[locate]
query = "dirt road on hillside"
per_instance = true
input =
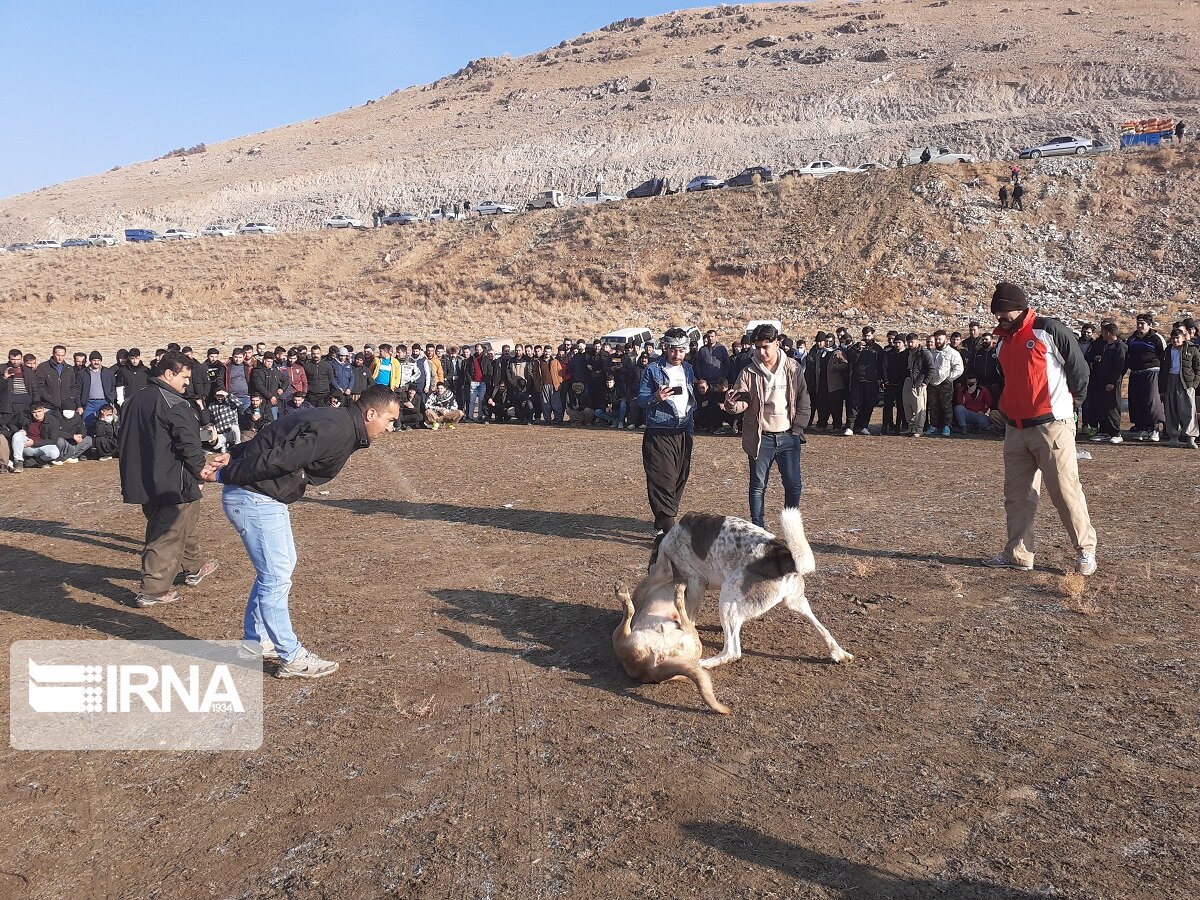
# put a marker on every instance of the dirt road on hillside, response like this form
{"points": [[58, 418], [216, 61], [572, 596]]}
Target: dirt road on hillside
{"points": [[995, 737]]}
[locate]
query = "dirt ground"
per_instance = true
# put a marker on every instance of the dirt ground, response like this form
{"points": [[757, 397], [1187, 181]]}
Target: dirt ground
{"points": [[999, 735]]}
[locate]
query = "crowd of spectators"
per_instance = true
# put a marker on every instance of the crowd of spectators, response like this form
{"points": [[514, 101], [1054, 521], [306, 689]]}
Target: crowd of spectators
{"points": [[61, 410]]}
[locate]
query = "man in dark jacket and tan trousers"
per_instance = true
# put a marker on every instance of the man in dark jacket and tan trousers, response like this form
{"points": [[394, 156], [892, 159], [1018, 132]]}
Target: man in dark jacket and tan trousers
{"points": [[1045, 380], [772, 392], [162, 463]]}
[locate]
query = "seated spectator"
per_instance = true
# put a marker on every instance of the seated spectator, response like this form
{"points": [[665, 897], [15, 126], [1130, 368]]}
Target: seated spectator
{"points": [[105, 429], [48, 437], [707, 417], [578, 411], [412, 409], [521, 398], [336, 401], [441, 408], [499, 403], [257, 416], [225, 412], [297, 402], [972, 403], [730, 423], [610, 405]]}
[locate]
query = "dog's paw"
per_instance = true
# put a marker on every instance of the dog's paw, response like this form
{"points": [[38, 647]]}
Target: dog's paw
{"points": [[841, 656]]}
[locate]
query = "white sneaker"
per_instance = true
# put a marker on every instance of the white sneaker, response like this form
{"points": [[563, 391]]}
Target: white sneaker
{"points": [[266, 650], [1085, 564], [1101, 439], [849, 432], [1116, 439], [865, 431], [306, 665], [1154, 438]]}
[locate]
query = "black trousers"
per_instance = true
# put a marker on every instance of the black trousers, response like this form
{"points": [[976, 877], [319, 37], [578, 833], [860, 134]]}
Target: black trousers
{"points": [[667, 457], [834, 405], [863, 397], [893, 408]]}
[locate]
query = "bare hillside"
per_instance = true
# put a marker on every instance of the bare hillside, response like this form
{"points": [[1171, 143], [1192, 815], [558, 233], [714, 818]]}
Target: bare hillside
{"points": [[911, 247], [704, 90]]}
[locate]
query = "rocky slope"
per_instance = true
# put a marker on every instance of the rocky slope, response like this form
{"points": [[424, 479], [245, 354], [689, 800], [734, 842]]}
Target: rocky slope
{"points": [[914, 248], [704, 90]]}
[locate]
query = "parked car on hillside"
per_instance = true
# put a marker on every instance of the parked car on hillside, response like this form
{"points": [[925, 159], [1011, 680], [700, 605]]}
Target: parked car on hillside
{"points": [[1065, 146], [141, 235], [818, 168], [257, 228], [754, 323], [592, 197], [340, 221], [445, 214], [178, 234], [19, 246], [219, 231], [401, 218], [494, 208], [704, 183], [76, 242], [627, 337], [746, 177], [870, 167], [46, 244], [936, 155], [548, 200], [102, 240], [655, 187]]}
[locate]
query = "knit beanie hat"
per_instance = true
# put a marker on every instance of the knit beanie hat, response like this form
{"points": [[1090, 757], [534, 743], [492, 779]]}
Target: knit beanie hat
{"points": [[1008, 297]]}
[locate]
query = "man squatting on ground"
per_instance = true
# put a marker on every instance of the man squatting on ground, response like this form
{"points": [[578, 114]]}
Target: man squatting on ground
{"points": [[262, 478], [1045, 378], [771, 391], [668, 395]]}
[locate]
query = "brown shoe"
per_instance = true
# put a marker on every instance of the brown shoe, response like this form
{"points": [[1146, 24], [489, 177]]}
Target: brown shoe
{"points": [[141, 601], [191, 579]]}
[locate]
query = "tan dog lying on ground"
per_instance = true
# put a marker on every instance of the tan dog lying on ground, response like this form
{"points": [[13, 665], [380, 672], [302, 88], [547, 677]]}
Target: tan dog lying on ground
{"points": [[658, 641]]}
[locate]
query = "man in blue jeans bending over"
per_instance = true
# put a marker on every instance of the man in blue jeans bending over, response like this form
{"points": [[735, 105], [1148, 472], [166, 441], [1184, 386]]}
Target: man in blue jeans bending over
{"points": [[771, 391], [261, 479]]}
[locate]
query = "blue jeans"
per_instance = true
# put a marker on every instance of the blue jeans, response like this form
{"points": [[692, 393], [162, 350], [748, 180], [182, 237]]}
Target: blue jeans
{"points": [[265, 527], [91, 411], [783, 449], [476, 408]]}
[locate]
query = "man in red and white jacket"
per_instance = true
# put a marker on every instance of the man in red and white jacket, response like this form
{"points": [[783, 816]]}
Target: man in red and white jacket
{"points": [[1045, 378]]}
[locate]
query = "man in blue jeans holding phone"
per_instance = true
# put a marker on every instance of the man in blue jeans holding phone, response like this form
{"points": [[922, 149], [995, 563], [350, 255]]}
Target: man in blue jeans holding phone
{"points": [[771, 391], [261, 478]]}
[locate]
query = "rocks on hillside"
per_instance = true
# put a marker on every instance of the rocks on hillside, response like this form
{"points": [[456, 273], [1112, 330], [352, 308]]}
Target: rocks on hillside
{"points": [[769, 40]]}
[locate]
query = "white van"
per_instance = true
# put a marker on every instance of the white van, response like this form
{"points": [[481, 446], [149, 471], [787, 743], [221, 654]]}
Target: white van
{"points": [[496, 344], [754, 323], [627, 337]]}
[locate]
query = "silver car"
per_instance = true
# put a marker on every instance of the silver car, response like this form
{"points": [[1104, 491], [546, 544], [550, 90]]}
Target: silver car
{"points": [[1061, 146]]}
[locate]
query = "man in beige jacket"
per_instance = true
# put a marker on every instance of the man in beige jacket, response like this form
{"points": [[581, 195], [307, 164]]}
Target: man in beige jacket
{"points": [[771, 391]]}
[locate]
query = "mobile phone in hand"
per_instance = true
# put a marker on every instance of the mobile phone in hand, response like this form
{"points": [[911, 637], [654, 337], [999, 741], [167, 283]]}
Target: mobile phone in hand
{"points": [[677, 390]]}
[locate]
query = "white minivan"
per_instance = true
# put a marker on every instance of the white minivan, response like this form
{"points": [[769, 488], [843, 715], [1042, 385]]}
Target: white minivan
{"points": [[623, 338]]}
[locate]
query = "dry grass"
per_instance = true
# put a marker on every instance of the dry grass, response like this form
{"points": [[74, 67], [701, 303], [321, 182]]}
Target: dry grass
{"points": [[509, 128]]}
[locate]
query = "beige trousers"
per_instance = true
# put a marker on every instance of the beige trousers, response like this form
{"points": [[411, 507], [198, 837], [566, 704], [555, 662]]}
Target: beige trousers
{"points": [[914, 405], [1044, 453], [449, 416]]}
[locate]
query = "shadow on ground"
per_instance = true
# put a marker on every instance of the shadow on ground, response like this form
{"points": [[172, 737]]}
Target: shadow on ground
{"points": [[570, 637], [853, 880]]}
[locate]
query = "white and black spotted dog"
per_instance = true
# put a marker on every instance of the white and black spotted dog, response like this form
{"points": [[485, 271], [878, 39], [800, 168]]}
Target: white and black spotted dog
{"points": [[754, 570]]}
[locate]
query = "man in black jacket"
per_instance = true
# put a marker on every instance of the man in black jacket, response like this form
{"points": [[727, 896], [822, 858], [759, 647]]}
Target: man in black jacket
{"points": [[132, 376], [269, 383], [55, 381], [162, 465], [866, 378], [895, 370], [267, 474]]}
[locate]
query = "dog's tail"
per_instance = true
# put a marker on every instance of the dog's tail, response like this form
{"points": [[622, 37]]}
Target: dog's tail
{"points": [[698, 674], [791, 529]]}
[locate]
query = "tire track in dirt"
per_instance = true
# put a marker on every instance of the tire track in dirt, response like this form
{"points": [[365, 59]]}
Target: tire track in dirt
{"points": [[501, 799]]}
